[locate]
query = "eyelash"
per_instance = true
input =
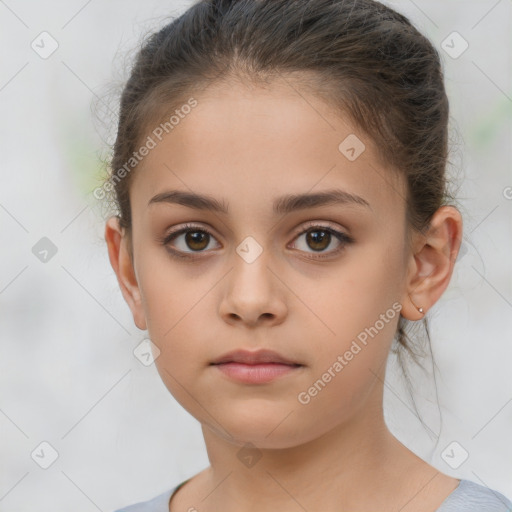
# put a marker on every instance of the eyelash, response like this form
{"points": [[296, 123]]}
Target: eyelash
{"points": [[343, 238]]}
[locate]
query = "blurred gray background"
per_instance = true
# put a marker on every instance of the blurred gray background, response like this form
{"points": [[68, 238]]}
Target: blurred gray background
{"points": [[112, 434]]}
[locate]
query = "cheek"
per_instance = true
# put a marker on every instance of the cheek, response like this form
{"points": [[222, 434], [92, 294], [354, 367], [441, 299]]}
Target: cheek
{"points": [[355, 297], [172, 302], [357, 318], [178, 326]]}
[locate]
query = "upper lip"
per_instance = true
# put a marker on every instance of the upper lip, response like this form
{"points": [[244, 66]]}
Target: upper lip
{"points": [[255, 357]]}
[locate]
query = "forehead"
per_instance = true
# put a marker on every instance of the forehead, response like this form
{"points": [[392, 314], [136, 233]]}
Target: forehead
{"points": [[257, 142]]}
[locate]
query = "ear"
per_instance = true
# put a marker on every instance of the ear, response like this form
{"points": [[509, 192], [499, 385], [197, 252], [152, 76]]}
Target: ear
{"points": [[121, 261], [431, 262]]}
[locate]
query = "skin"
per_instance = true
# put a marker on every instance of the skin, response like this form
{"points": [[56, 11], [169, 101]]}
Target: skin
{"points": [[246, 145]]}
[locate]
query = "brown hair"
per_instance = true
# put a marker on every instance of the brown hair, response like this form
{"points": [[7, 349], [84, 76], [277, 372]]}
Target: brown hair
{"points": [[360, 56]]}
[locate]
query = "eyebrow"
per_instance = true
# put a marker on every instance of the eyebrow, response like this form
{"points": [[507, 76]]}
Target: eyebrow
{"points": [[282, 205]]}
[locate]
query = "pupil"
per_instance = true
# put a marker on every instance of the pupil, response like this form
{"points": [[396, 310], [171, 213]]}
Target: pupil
{"points": [[196, 237], [317, 242]]}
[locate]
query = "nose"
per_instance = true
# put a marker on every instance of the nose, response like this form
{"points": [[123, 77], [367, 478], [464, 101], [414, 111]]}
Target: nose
{"points": [[253, 294]]}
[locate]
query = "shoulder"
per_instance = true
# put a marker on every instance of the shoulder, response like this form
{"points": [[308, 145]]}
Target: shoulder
{"points": [[472, 497], [159, 503]]}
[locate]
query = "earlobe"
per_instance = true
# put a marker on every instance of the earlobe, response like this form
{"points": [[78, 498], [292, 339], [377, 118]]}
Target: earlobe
{"points": [[431, 264], [121, 261]]}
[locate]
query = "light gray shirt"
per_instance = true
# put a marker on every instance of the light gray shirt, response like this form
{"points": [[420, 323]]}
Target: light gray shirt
{"points": [[468, 496]]}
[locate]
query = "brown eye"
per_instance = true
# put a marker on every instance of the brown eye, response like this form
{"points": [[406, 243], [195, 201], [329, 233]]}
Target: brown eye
{"points": [[320, 238], [196, 240], [188, 240]]}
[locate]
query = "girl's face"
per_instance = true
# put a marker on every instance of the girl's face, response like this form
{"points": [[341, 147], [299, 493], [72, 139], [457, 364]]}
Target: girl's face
{"points": [[256, 281]]}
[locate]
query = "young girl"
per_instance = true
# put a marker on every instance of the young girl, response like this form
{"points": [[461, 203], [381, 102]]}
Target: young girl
{"points": [[279, 173]]}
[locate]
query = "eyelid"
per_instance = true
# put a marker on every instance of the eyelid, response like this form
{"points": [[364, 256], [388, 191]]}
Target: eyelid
{"points": [[185, 256], [169, 235], [343, 238], [308, 225]]}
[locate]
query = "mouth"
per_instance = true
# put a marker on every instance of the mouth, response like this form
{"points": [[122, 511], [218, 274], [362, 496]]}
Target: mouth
{"points": [[255, 367], [260, 373]]}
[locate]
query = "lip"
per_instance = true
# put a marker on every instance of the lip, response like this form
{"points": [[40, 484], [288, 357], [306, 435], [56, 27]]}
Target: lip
{"points": [[256, 373], [257, 357]]}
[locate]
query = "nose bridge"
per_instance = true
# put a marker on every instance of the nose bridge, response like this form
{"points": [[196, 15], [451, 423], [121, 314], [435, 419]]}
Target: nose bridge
{"points": [[252, 290], [250, 275]]}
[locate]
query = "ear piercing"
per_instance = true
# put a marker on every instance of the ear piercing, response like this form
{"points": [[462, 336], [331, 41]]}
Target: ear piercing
{"points": [[419, 309]]}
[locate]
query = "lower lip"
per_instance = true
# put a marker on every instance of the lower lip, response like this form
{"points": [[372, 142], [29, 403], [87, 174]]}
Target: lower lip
{"points": [[255, 373]]}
